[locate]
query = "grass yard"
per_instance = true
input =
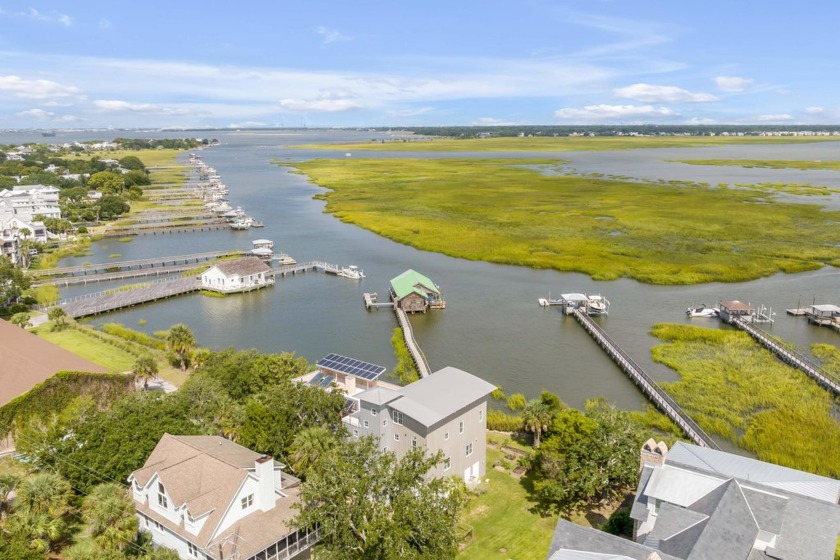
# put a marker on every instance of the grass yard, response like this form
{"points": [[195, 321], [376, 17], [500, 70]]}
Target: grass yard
{"points": [[504, 527], [563, 143], [76, 341], [736, 389], [508, 211], [770, 164]]}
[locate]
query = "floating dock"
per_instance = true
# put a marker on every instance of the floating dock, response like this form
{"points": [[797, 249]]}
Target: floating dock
{"points": [[644, 382]]}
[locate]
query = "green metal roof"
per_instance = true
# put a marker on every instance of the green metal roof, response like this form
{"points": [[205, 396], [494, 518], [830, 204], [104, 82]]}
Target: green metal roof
{"points": [[412, 281]]}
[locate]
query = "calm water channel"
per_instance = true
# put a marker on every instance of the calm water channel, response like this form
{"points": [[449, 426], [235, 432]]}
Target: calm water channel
{"points": [[492, 326]]}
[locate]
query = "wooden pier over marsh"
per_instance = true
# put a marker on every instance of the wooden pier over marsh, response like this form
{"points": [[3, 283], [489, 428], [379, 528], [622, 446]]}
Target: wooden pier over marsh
{"points": [[413, 348], [644, 382], [792, 358], [116, 266], [103, 302]]}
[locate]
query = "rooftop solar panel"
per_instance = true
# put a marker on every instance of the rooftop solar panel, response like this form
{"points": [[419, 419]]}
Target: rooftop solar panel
{"points": [[351, 366]]}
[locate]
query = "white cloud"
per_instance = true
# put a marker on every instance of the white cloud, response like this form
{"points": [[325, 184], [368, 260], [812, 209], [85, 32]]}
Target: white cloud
{"points": [[614, 112], [732, 84], [52, 16], [778, 117], [34, 89], [490, 121], [36, 113], [120, 106], [814, 110], [331, 35], [649, 93], [701, 120], [323, 105]]}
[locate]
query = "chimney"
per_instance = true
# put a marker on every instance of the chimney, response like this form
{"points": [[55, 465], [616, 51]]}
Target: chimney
{"points": [[265, 483], [653, 453]]}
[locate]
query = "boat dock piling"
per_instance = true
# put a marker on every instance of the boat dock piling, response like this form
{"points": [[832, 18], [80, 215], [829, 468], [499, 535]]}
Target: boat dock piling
{"points": [[644, 382], [371, 301], [793, 359]]}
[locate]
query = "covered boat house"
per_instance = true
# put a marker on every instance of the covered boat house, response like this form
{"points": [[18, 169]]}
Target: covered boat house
{"points": [[413, 292], [240, 275]]}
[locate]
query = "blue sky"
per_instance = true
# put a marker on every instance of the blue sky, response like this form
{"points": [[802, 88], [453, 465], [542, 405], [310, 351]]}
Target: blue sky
{"points": [[355, 63]]}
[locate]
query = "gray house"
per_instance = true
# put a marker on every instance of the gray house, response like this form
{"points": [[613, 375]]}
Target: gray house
{"points": [[697, 503], [446, 411]]}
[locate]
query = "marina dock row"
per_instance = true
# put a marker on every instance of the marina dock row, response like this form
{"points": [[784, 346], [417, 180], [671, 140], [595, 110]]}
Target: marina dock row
{"points": [[793, 359], [644, 382]]}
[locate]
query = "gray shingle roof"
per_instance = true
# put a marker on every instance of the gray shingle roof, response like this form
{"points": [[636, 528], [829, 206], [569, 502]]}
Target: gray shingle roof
{"points": [[242, 267], [569, 539]]}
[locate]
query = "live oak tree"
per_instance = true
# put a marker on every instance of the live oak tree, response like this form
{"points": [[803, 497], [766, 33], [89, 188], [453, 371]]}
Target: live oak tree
{"points": [[369, 504]]}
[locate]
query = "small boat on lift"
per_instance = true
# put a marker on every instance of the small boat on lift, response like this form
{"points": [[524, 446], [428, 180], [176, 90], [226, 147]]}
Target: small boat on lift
{"points": [[703, 311], [597, 305]]}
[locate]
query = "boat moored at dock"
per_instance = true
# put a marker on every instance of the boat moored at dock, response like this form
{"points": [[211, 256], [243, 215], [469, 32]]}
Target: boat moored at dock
{"points": [[703, 311], [352, 272]]}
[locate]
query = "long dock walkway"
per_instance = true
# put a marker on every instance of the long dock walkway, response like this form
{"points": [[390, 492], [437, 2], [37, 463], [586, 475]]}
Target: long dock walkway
{"points": [[65, 281], [413, 348], [101, 268], [297, 268], [644, 382], [793, 359], [102, 302]]}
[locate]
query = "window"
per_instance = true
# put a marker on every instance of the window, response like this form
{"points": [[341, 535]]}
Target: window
{"points": [[398, 418], [469, 449], [481, 416], [367, 424], [413, 443], [373, 412], [384, 422], [193, 550], [162, 502], [396, 437], [447, 463], [446, 436], [461, 427], [356, 432], [247, 501]]}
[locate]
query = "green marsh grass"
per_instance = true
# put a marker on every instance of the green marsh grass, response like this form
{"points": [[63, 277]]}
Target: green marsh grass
{"points": [[770, 164], [737, 390], [506, 211]]}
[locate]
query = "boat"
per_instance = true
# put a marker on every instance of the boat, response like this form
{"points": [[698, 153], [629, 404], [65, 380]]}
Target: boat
{"points": [[262, 243], [257, 223], [703, 311], [352, 272], [597, 305], [546, 302], [240, 224], [283, 258]]}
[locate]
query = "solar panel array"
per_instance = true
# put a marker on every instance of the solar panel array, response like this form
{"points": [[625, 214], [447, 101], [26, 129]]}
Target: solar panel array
{"points": [[351, 366]]}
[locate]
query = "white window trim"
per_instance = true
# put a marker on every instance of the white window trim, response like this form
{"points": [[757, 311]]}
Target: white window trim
{"points": [[446, 436], [373, 412], [469, 449], [396, 437], [447, 463], [398, 417], [461, 427]]}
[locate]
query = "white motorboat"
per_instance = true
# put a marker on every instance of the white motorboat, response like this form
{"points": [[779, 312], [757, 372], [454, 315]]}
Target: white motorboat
{"points": [[352, 272], [597, 305], [703, 311]]}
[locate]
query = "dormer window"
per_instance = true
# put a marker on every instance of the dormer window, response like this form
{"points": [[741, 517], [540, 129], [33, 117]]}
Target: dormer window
{"points": [[162, 501], [373, 412], [247, 501]]}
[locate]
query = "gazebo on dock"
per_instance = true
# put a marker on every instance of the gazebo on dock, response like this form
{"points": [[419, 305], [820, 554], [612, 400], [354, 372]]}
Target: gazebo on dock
{"points": [[730, 310], [412, 292]]}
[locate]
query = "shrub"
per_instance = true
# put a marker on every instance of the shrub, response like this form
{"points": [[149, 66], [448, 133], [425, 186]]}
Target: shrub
{"points": [[502, 422]]}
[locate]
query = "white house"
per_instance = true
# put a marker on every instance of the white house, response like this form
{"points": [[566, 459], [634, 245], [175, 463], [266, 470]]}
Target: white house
{"points": [[240, 275], [211, 499], [27, 201]]}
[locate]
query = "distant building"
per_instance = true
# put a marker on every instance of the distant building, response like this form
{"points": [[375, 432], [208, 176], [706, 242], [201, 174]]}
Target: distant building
{"points": [[27, 201], [240, 275], [412, 292], [446, 412], [209, 498], [696, 503]]}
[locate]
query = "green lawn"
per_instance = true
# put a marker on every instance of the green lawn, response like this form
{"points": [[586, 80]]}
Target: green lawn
{"points": [[562, 143], [77, 342], [503, 526], [506, 211]]}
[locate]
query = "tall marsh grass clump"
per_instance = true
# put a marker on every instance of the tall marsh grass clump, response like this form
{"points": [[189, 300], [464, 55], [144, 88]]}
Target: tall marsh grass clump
{"points": [[736, 389], [509, 211]]}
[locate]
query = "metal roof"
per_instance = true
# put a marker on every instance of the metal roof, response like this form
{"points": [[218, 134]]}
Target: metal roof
{"points": [[826, 307], [753, 470], [736, 305], [351, 366], [412, 281]]}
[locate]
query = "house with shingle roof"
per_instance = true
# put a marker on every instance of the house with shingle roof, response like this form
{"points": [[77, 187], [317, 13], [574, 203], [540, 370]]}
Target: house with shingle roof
{"points": [[240, 275], [699, 503], [209, 498]]}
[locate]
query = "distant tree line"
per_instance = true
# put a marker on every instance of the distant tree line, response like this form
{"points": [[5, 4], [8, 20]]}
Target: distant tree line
{"points": [[609, 130]]}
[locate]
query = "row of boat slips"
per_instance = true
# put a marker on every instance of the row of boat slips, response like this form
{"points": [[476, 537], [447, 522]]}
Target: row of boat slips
{"points": [[214, 193]]}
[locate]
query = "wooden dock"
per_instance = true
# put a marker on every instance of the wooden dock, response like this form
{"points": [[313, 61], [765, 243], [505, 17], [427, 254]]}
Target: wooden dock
{"points": [[65, 281], [168, 230], [103, 302], [413, 348], [372, 301], [116, 266], [644, 382], [792, 358], [300, 268]]}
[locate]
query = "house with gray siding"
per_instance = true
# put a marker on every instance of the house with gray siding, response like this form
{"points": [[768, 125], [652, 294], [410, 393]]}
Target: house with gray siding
{"points": [[446, 412]]}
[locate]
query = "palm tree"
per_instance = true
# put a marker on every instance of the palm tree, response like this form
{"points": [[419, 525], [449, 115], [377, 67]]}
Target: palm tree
{"points": [[44, 493], [536, 416], [181, 340], [58, 316], [144, 368], [40, 529], [310, 446], [21, 319], [110, 516]]}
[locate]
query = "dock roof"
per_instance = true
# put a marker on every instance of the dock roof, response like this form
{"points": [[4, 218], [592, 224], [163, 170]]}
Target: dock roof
{"points": [[412, 281], [241, 267], [736, 305]]}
